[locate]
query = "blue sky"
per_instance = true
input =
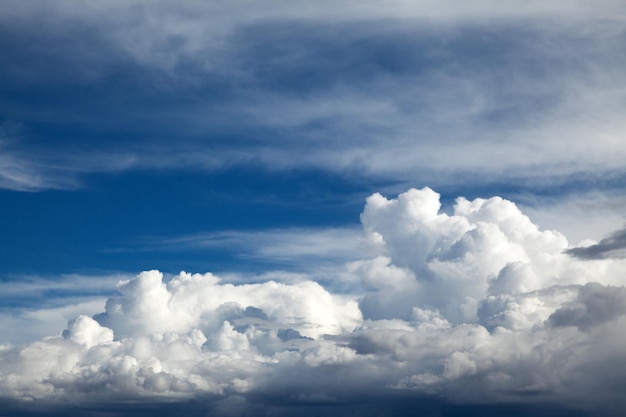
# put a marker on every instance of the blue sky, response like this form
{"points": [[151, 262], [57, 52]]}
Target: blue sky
{"points": [[249, 140]]}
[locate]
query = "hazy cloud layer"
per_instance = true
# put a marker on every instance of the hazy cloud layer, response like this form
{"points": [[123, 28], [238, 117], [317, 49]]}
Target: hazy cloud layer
{"points": [[428, 91], [475, 306]]}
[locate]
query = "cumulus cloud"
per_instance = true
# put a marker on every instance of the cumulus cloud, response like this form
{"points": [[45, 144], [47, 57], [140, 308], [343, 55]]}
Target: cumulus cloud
{"points": [[469, 305], [149, 305]]}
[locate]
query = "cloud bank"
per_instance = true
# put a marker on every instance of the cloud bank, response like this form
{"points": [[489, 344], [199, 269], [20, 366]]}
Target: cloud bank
{"points": [[421, 90], [465, 307]]}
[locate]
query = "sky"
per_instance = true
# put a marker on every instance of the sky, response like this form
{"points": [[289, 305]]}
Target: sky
{"points": [[271, 208]]}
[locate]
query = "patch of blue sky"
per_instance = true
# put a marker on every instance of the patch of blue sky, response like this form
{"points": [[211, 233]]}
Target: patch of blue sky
{"points": [[286, 121], [54, 231]]}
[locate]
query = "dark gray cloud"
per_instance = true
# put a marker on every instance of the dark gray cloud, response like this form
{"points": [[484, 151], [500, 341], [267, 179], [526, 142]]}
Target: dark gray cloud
{"points": [[612, 246], [594, 305], [399, 406]]}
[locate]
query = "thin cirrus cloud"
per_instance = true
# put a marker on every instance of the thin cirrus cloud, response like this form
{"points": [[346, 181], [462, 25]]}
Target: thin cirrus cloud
{"points": [[443, 95], [289, 246], [475, 308]]}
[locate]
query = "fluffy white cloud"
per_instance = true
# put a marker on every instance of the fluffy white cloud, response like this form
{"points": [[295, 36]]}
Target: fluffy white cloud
{"points": [[486, 247], [189, 301], [477, 305]]}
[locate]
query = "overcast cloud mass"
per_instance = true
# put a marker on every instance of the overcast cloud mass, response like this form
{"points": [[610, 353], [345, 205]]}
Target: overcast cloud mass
{"points": [[383, 208]]}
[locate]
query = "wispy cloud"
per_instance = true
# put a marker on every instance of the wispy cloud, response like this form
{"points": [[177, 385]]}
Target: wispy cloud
{"points": [[284, 255], [291, 245], [416, 91], [22, 173], [40, 288]]}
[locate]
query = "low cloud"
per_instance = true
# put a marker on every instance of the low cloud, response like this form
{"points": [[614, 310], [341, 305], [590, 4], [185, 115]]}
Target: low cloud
{"points": [[594, 305], [473, 308], [612, 246]]}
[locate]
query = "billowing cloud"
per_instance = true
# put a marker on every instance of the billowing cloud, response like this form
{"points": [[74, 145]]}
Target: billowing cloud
{"points": [[187, 300], [456, 308]]}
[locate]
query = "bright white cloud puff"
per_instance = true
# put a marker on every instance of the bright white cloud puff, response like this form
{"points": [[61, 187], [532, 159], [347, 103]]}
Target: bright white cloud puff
{"points": [[476, 305]]}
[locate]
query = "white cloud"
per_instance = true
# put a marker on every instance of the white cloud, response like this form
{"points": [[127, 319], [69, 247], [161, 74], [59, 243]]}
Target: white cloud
{"points": [[295, 245], [478, 306], [26, 324], [19, 172], [33, 306], [37, 287], [190, 301]]}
